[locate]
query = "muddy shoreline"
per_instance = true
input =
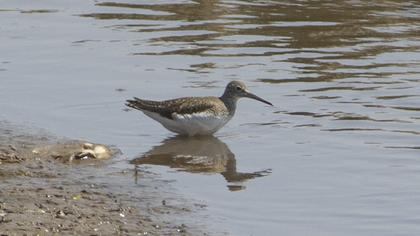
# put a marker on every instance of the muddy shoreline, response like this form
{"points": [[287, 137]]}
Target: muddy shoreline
{"points": [[40, 195]]}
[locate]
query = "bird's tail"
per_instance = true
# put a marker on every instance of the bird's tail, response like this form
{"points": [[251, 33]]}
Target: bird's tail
{"points": [[134, 103], [141, 104]]}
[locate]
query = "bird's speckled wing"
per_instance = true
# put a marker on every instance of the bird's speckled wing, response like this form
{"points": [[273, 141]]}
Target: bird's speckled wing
{"points": [[179, 106]]}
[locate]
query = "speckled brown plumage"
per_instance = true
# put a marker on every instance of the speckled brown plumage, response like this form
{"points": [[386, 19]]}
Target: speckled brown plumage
{"points": [[181, 106]]}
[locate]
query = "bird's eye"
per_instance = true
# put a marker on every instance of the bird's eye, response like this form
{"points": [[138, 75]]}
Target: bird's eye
{"points": [[238, 88]]}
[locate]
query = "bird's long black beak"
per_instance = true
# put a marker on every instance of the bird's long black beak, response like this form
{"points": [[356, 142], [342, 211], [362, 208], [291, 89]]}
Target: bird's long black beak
{"points": [[253, 96]]}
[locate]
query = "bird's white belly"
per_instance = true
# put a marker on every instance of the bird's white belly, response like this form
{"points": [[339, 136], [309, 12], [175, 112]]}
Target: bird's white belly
{"points": [[192, 124]]}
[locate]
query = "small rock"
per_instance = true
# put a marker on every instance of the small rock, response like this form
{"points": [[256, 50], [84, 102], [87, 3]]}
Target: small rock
{"points": [[60, 214]]}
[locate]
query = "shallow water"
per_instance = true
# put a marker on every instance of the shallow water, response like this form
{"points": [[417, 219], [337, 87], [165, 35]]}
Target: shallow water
{"points": [[337, 154]]}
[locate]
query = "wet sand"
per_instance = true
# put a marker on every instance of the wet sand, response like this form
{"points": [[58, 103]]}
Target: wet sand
{"points": [[40, 195]]}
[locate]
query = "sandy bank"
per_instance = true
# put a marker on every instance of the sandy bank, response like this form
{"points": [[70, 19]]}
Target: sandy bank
{"points": [[40, 195]]}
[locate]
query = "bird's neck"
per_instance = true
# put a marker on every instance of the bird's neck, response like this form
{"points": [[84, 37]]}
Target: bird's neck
{"points": [[230, 102]]}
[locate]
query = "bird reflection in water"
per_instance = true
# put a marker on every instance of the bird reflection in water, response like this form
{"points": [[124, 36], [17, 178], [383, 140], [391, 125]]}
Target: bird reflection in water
{"points": [[205, 154]]}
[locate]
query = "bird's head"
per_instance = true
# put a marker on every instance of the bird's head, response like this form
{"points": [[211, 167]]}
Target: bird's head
{"points": [[237, 89]]}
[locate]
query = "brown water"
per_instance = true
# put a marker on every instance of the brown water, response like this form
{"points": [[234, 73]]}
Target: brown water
{"points": [[337, 155]]}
